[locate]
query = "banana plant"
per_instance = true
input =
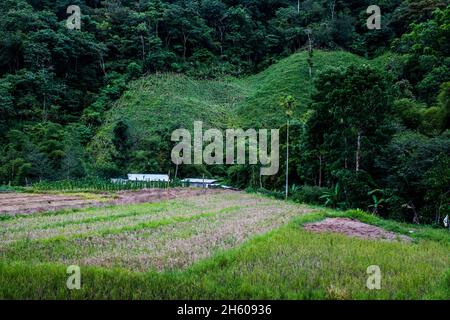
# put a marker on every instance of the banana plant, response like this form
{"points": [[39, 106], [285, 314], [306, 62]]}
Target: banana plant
{"points": [[332, 197], [294, 188], [377, 202]]}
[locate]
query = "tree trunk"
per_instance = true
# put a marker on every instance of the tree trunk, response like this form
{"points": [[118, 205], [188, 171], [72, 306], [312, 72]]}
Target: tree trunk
{"points": [[44, 110], [332, 8], [320, 171], [185, 38], [345, 154], [176, 171], [416, 216], [221, 41], [358, 151], [310, 62], [260, 180], [102, 65], [310, 43], [287, 160], [143, 48]]}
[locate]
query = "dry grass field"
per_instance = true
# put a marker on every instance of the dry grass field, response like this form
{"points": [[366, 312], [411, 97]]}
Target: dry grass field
{"points": [[190, 244]]}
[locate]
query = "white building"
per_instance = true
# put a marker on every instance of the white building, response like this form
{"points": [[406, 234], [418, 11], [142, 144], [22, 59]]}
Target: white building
{"points": [[148, 177], [199, 183]]}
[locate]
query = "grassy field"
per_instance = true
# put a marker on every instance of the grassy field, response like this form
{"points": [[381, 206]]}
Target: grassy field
{"points": [[215, 247]]}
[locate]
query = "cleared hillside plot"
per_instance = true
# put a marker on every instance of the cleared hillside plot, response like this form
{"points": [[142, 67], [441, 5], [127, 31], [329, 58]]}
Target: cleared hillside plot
{"points": [[142, 237], [156, 105]]}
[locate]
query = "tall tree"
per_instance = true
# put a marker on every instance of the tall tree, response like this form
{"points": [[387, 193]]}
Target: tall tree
{"points": [[288, 104], [351, 105]]}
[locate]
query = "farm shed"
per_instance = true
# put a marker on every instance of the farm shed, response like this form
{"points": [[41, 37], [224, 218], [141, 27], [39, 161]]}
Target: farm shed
{"points": [[199, 183], [148, 177]]}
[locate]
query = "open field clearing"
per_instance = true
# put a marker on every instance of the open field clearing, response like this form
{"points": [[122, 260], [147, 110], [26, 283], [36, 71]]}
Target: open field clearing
{"points": [[146, 236], [25, 203], [223, 245]]}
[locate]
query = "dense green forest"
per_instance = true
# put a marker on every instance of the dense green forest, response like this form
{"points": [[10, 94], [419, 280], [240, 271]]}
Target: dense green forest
{"points": [[372, 107]]}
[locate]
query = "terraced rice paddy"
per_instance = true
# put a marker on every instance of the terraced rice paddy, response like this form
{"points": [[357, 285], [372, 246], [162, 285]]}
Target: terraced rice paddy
{"points": [[200, 244], [26, 203], [140, 237]]}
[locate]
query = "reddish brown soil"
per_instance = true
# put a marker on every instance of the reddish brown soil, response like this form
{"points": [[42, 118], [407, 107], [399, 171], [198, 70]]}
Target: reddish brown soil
{"points": [[26, 203], [156, 195], [354, 228]]}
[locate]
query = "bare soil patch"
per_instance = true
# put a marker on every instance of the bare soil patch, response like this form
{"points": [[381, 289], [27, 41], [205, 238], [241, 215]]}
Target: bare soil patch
{"points": [[156, 195], [354, 228], [28, 203]]}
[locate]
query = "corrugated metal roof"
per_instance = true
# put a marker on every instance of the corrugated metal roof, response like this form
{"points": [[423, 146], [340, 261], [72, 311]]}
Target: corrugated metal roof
{"points": [[148, 177], [197, 180]]}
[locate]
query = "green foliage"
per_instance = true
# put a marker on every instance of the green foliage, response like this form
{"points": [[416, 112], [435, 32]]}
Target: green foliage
{"points": [[444, 103], [437, 184], [430, 121], [309, 194], [98, 184], [428, 45], [356, 186], [409, 113], [331, 198], [350, 107], [406, 163], [377, 200], [122, 145]]}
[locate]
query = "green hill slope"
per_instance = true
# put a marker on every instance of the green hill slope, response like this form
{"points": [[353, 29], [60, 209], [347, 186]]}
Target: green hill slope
{"points": [[156, 105], [289, 76]]}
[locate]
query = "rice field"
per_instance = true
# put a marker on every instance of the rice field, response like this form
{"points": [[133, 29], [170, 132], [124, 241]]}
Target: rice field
{"points": [[218, 245], [143, 237]]}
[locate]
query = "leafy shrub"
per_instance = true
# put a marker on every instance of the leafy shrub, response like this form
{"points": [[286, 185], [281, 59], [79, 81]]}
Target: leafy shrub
{"points": [[309, 194], [333, 198], [98, 184], [355, 187], [5, 188], [274, 194]]}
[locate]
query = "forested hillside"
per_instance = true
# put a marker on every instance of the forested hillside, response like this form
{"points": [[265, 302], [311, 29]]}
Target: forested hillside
{"points": [[371, 107]]}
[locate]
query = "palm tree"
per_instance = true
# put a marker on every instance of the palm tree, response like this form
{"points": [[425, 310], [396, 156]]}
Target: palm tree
{"points": [[288, 104]]}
